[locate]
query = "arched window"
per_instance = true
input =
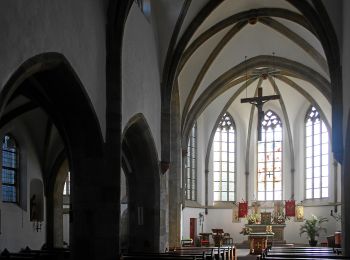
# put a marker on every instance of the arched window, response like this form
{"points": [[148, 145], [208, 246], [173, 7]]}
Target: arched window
{"points": [[270, 158], [224, 165], [9, 169], [66, 187], [316, 156], [191, 165]]}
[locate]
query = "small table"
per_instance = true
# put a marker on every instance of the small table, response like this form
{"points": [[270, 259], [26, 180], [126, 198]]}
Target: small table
{"points": [[258, 242]]}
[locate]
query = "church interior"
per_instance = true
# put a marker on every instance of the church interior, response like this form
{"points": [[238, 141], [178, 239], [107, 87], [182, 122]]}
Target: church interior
{"points": [[145, 125]]}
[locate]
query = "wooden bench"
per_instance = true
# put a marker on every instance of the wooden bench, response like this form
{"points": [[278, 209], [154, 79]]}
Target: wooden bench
{"points": [[165, 256], [224, 252], [36, 254], [301, 253]]}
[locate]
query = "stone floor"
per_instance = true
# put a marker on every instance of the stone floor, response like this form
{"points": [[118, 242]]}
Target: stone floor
{"points": [[243, 254]]}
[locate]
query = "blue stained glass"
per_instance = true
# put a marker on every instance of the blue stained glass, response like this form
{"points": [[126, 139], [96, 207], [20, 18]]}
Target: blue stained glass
{"points": [[9, 169]]}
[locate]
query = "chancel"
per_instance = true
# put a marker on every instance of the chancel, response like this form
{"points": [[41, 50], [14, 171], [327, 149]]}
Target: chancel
{"points": [[132, 128]]}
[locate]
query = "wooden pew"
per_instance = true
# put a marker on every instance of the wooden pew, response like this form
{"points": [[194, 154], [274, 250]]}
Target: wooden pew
{"points": [[144, 257], [27, 253], [158, 256], [301, 253], [224, 252]]}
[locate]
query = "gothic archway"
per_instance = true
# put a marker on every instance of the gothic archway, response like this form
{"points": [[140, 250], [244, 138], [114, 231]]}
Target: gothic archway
{"points": [[140, 163], [49, 82]]}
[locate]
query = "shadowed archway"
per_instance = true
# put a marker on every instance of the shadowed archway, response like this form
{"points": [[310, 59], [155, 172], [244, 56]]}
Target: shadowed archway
{"points": [[140, 164], [49, 81]]}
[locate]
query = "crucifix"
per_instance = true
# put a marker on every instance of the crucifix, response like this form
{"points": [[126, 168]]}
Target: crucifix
{"points": [[259, 102]]}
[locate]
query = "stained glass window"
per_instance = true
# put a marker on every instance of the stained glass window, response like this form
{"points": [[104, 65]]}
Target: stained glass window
{"points": [[191, 165], [270, 158], [316, 156], [224, 159], [9, 169]]}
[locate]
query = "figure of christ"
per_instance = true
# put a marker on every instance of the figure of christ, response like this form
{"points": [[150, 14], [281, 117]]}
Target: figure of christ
{"points": [[259, 101]]}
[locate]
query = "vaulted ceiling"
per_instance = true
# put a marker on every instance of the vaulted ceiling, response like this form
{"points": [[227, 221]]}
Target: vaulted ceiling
{"points": [[238, 46]]}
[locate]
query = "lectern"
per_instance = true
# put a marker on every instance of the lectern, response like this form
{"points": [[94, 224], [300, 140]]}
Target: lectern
{"points": [[218, 235]]}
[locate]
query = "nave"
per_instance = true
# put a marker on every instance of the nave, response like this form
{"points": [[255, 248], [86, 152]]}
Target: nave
{"points": [[135, 126]]}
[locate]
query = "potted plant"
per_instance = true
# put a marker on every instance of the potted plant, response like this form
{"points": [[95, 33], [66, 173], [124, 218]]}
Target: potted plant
{"points": [[312, 227]]}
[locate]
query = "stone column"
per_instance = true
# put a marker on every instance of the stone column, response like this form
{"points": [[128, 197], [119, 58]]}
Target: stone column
{"points": [[292, 191], [175, 174], [95, 207], [206, 179], [246, 185]]}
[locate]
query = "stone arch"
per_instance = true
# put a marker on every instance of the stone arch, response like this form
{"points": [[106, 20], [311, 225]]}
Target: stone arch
{"points": [[225, 81], [140, 164], [57, 200], [49, 80]]}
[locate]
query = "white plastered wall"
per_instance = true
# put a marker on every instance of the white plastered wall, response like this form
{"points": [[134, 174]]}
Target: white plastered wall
{"points": [[16, 229], [140, 76]]}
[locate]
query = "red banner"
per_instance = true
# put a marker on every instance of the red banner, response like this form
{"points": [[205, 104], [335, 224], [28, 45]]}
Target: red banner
{"points": [[290, 208], [242, 209]]}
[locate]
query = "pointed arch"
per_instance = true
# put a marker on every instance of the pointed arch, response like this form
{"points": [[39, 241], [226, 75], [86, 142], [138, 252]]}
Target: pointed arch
{"points": [[47, 79], [140, 164], [316, 156], [10, 169], [224, 159], [269, 162], [191, 165]]}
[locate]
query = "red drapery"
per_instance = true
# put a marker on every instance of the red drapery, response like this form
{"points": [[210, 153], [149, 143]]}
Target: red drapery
{"points": [[242, 209], [290, 208]]}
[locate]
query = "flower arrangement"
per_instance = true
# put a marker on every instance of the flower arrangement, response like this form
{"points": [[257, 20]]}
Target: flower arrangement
{"points": [[279, 217], [253, 218], [246, 231]]}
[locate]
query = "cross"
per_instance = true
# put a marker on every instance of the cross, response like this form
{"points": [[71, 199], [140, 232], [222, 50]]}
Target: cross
{"points": [[258, 245], [259, 102], [269, 174]]}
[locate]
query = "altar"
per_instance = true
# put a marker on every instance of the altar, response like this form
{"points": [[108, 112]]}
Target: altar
{"points": [[258, 242], [277, 229]]}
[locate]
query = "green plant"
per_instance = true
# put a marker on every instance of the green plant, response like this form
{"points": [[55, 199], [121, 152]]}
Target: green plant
{"points": [[312, 227], [253, 218], [246, 231]]}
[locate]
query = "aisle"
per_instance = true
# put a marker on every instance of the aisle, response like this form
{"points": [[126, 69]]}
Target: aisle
{"points": [[243, 254]]}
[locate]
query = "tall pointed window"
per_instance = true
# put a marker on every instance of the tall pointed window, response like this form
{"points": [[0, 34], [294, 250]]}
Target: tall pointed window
{"points": [[316, 159], [9, 169], [66, 187], [224, 165], [270, 158], [191, 165]]}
